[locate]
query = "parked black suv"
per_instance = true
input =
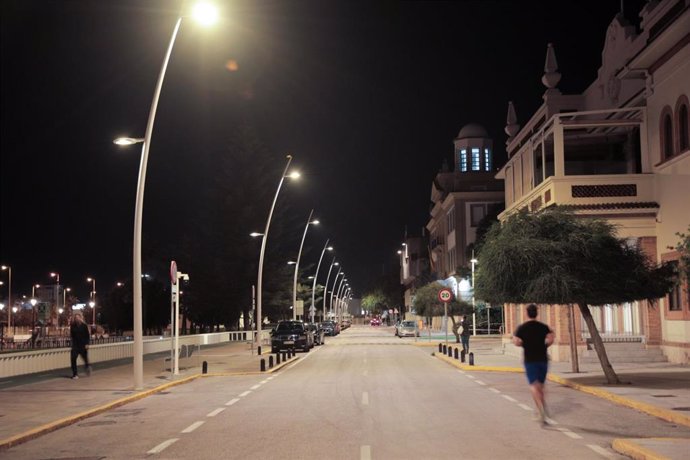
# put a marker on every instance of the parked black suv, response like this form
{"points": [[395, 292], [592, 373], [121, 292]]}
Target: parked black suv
{"points": [[291, 335]]}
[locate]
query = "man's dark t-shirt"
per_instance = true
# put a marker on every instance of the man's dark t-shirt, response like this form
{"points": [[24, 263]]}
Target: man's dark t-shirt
{"points": [[80, 335], [533, 336]]}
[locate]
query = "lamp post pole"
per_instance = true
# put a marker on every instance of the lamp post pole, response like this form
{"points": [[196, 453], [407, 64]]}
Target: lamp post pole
{"points": [[33, 308], [57, 289], [335, 280], [9, 295], [338, 297], [299, 255], [93, 298], [312, 310], [474, 315], [259, 280], [325, 286]]}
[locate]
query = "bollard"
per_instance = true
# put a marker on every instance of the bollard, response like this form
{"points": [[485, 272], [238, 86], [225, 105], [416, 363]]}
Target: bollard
{"points": [[462, 356], [471, 359], [262, 367], [284, 356], [270, 361], [277, 358], [440, 347], [450, 352], [258, 350], [456, 353], [444, 349], [204, 367]]}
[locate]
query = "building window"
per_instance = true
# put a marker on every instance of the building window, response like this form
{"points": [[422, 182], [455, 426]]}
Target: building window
{"points": [[683, 126], [475, 160], [463, 160], [450, 220], [666, 134], [477, 213], [487, 160]]}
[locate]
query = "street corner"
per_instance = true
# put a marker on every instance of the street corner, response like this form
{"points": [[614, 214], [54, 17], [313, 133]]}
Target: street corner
{"points": [[653, 448]]}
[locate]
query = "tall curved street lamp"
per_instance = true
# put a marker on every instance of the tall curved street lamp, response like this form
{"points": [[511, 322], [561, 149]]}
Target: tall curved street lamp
{"points": [[9, 295], [264, 237], [312, 310], [205, 14], [341, 286], [92, 297], [325, 287], [335, 281], [299, 255]]}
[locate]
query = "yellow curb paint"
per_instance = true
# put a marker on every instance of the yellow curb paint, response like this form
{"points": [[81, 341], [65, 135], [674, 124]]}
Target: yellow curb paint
{"points": [[634, 450], [467, 367], [48, 427]]}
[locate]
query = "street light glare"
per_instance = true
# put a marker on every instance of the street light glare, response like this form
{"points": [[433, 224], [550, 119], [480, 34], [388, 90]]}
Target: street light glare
{"points": [[255, 234], [330, 248], [294, 175], [127, 140], [205, 13], [315, 222]]}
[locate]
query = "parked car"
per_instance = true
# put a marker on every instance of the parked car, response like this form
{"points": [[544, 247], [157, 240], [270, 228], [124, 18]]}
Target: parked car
{"points": [[375, 322], [319, 333], [329, 328], [291, 334], [407, 329]]}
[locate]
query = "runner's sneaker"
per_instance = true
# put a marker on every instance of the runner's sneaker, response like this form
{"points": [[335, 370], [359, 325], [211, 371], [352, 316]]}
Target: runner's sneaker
{"points": [[75, 377]]}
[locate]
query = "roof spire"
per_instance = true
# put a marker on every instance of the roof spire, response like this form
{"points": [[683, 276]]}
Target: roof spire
{"points": [[512, 126], [551, 76]]}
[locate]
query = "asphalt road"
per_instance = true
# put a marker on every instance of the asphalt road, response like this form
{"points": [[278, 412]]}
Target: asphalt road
{"points": [[364, 395]]}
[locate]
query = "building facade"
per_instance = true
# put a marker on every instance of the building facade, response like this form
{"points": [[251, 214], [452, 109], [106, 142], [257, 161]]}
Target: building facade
{"points": [[620, 151]]}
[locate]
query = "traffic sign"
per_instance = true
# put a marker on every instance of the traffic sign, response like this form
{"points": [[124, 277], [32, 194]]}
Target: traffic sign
{"points": [[445, 295], [173, 272]]}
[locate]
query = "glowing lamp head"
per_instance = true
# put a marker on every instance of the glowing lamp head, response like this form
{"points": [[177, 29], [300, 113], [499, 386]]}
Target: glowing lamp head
{"points": [[205, 13]]}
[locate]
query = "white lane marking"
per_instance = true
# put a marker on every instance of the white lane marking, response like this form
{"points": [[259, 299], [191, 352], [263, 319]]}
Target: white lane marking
{"points": [[365, 398], [551, 421], [480, 382], [509, 398], [242, 395], [192, 427], [365, 453], [232, 401], [525, 406], [272, 377], [470, 376], [600, 450], [461, 371], [255, 387], [263, 381], [569, 433], [159, 448], [215, 412], [495, 390]]}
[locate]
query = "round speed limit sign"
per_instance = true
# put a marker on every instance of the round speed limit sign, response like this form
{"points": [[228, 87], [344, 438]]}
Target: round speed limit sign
{"points": [[444, 295]]}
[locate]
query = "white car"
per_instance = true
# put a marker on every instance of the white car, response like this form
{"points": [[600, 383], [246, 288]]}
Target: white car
{"points": [[407, 329]]}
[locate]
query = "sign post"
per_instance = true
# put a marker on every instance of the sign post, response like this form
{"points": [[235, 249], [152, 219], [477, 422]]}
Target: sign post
{"points": [[445, 296], [173, 303]]}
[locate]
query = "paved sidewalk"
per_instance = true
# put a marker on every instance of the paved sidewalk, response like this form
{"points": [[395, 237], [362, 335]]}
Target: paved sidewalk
{"points": [[35, 404], [658, 389]]}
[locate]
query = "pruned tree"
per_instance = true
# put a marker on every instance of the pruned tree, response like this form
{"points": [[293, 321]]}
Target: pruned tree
{"points": [[426, 304], [555, 257]]}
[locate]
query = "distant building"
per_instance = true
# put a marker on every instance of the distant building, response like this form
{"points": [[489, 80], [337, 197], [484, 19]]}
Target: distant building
{"points": [[414, 265], [618, 151]]}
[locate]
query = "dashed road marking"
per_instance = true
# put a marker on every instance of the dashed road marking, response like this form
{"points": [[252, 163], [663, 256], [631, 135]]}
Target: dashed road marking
{"points": [[480, 382], [192, 427], [365, 398], [365, 453], [263, 382], [215, 412], [242, 395], [470, 376], [232, 401], [255, 387], [159, 448], [525, 406], [569, 433], [495, 390], [600, 450], [509, 398]]}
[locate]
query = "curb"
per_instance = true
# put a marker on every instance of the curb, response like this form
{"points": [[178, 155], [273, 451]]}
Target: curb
{"points": [[646, 408], [636, 451]]}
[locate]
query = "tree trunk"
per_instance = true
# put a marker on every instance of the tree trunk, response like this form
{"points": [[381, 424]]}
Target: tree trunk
{"points": [[574, 364], [455, 329], [610, 374]]}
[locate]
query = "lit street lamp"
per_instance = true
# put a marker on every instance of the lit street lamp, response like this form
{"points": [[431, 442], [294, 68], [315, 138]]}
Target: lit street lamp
{"points": [[264, 235], [204, 14], [9, 294], [64, 303], [93, 298], [474, 315], [335, 281], [299, 255], [312, 310], [325, 286], [57, 290]]}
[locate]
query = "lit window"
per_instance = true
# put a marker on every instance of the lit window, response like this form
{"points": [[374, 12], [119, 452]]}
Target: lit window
{"points": [[475, 160], [487, 160], [463, 160]]}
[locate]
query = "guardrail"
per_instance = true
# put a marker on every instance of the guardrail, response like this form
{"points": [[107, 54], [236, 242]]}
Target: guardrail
{"points": [[33, 361]]}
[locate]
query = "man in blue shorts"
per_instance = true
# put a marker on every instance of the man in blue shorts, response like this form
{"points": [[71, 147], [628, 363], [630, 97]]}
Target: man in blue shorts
{"points": [[535, 337]]}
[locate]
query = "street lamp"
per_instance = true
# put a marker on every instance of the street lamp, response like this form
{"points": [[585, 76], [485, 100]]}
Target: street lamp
{"points": [[264, 235], [64, 303], [473, 261], [335, 281], [325, 286], [57, 290], [93, 297], [299, 255], [203, 15], [341, 286], [312, 310], [9, 294]]}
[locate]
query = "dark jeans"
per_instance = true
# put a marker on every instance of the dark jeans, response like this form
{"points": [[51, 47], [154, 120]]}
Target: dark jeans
{"points": [[465, 342], [73, 358]]}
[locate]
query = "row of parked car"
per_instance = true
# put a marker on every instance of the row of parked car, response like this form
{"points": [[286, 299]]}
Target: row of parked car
{"points": [[298, 335]]}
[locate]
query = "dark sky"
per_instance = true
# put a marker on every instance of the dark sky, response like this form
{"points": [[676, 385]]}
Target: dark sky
{"points": [[366, 95]]}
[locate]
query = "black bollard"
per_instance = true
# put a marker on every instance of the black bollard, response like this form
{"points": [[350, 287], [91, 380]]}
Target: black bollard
{"points": [[471, 359], [456, 353], [270, 361], [444, 348], [462, 356], [450, 352], [284, 356], [204, 367], [262, 367], [277, 358], [258, 350], [440, 347]]}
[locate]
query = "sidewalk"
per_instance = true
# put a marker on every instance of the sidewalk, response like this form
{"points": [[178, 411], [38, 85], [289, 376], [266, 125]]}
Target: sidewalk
{"points": [[37, 404], [658, 389]]}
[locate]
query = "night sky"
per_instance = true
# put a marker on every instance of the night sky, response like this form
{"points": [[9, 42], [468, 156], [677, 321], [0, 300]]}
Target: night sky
{"points": [[366, 95]]}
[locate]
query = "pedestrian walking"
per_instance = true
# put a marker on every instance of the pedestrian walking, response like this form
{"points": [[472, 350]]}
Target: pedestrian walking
{"points": [[535, 337], [81, 337], [465, 334]]}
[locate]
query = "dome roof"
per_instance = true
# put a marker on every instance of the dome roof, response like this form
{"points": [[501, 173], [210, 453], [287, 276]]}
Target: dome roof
{"points": [[472, 130]]}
